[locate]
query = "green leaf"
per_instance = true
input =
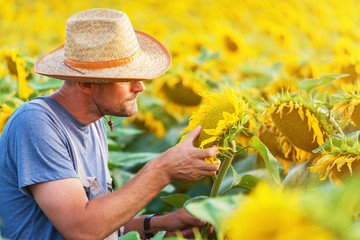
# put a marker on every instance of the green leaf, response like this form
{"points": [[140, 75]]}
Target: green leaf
{"points": [[247, 182], [120, 177], [245, 164], [121, 159], [120, 132], [195, 199], [115, 146], [270, 161], [253, 83], [310, 84], [131, 236], [213, 210], [11, 101], [332, 206], [300, 177], [51, 83], [176, 200], [159, 236], [168, 189], [205, 55], [175, 238]]}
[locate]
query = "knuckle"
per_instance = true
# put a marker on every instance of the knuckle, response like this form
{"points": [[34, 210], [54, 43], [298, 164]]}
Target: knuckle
{"points": [[207, 154]]}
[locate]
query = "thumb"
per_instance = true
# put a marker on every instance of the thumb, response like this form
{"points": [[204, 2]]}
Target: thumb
{"points": [[194, 133]]}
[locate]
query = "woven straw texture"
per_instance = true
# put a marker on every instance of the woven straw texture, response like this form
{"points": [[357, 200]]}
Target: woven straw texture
{"points": [[99, 35]]}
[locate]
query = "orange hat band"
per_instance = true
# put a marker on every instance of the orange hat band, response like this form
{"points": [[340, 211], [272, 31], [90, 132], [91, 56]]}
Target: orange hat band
{"points": [[101, 64]]}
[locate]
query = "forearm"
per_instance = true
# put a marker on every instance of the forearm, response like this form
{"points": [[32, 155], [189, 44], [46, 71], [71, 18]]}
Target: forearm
{"points": [[77, 218], [175, 163], [116, 209]]}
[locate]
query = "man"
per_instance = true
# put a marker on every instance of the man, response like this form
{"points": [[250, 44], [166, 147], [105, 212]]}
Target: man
{"points": [[53, 152]]}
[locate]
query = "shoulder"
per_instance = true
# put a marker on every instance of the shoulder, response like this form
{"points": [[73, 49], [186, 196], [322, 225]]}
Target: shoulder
{"points": [[32, 119]]}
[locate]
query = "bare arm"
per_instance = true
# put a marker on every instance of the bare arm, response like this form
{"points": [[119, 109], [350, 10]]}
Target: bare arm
{"points": [[66, 205]]}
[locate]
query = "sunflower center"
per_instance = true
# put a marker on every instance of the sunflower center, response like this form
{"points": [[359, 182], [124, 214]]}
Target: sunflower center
{"points": [[11, 66], [355, 116], [345, 171], [210, 121], [181, 94], [294, 128], [269, 136], [230, 44]]}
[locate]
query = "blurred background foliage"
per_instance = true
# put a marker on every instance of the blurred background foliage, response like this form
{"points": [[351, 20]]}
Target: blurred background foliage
{"points": [[266, 47]]}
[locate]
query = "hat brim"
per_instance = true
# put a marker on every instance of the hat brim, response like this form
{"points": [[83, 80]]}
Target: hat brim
{"points": [[153, 61]]}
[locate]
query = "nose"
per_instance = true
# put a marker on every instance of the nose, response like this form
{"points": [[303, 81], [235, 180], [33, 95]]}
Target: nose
{"points": [[137, 86]]}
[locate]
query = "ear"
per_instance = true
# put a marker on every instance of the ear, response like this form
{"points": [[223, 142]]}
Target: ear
{"points": [[85, 87]]}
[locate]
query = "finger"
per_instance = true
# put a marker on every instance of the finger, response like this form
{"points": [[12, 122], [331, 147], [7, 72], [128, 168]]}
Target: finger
{"points": [[211, 151], [193, 221], [187, 233], [218, 161], [207, 173], [193, 134], [208, 167], [170, 234], [202, 164], [206, 153]]}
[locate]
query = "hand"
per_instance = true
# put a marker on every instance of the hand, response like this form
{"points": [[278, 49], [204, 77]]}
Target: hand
{"points": [[179, 220], [186, 162]]}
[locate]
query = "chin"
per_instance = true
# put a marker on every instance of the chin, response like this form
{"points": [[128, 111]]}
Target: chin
{"points": [[127, 112]]}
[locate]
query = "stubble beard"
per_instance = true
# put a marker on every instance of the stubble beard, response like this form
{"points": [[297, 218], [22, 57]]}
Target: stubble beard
{"points": [[122, 112]]}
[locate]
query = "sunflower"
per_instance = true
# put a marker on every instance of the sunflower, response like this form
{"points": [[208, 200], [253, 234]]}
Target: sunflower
{"points": [[180, 90], [339, 156], [276, 143], [346, 59], [5, 113], [222, 117], [184, 44], [298, 122], [232, 43], [278, 86], [348, 109], [280, 147], [269, 215], [16, 67], [148, 122]]}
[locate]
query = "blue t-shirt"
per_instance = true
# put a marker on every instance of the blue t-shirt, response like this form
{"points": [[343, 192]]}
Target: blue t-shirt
{"points": [[35, 148]]}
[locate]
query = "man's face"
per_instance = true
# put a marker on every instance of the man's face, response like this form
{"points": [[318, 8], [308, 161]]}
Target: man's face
{"points": [[119, 98]]}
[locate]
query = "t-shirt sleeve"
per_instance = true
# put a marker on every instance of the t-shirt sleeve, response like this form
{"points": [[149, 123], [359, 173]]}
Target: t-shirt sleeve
{"points": [[41, 150]]}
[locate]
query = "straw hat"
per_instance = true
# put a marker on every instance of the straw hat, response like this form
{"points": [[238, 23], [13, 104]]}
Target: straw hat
{"points": [[102, 46]]}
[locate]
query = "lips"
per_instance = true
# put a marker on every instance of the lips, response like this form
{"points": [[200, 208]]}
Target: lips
{"points": [[133, 98]]}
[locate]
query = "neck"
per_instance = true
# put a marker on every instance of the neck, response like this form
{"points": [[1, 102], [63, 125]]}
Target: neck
{"points": [[80, 105]]}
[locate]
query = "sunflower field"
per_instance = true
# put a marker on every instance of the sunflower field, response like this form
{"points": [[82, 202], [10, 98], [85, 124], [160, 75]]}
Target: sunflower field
{"points": [[274, 84]]}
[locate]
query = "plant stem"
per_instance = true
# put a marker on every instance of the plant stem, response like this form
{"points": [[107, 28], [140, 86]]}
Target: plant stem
{"points": [[216, 186], [337, 126], [221, 174]]}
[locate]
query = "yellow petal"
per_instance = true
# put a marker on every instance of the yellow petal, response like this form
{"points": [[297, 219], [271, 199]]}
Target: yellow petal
{"points": [[209, 140]]}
